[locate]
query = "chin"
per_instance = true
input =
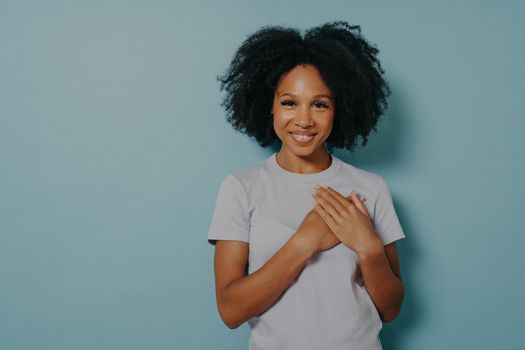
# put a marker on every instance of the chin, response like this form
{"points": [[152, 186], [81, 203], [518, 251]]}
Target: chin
{"points": [[303, 151]]}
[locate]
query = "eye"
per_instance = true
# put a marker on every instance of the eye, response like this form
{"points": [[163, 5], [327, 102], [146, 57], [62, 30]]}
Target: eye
{"points": [[287, 103], [321, 105]]}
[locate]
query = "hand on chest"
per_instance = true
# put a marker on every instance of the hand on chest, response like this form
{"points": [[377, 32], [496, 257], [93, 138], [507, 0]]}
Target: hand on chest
{"points": [[278, 214]]}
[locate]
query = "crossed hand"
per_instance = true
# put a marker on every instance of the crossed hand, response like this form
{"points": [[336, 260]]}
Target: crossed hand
{"points": [[347, 217]]}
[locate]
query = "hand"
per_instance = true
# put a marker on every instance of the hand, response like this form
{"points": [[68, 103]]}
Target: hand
{"points": [[348, 219], [314, 230]]}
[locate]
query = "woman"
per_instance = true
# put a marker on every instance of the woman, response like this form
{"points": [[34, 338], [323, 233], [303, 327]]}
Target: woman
{"points": [[307, 267]]}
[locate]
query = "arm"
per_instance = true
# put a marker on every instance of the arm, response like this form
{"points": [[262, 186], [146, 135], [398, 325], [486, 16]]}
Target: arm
{"points": [[241, 296], [382, 279], [350, 222]]}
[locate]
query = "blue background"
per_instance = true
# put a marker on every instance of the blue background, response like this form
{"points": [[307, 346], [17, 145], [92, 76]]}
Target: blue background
{"points": [[113, 145]]}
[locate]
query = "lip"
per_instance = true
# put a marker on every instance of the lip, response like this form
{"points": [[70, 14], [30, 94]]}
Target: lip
{"points": [[309, 133], [303, 143]]}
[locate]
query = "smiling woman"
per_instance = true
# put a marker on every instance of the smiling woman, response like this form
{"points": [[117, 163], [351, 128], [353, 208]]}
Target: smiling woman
{"points": [[303, 117], [305, 243]]}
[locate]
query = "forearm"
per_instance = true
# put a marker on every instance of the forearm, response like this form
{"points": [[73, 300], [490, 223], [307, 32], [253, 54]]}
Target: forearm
{"points": [[253, 294], [383, 286]]}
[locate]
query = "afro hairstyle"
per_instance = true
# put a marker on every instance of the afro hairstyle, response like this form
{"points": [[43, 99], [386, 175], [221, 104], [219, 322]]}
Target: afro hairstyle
{"points": [[347, 63]]}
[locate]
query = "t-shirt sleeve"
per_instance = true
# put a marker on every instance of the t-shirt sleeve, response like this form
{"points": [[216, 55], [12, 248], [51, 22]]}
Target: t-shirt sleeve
{"points": [[230, 219], [386, 222]]}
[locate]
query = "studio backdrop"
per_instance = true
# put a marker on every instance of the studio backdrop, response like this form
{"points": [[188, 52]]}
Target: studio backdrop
{"points": [[113, 145]]}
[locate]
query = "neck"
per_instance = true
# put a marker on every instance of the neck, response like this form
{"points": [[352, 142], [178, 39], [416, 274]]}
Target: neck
{"points": [[304, 164]]}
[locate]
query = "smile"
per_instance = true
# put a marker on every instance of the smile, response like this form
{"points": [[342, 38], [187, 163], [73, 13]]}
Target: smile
{"points": [[302, 139]]}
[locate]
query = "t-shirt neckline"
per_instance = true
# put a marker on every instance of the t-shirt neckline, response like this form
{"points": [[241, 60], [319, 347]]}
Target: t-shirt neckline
{"points": [[304, 178]]}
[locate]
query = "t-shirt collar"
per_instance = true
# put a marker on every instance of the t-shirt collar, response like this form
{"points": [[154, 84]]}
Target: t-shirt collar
{"points": [[304, 178]]}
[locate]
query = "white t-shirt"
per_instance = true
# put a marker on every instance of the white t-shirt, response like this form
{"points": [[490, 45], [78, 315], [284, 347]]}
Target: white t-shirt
{"points": [[327, 307]]}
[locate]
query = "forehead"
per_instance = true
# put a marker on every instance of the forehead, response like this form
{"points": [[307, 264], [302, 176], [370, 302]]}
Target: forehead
{"points": [[302, 80]]}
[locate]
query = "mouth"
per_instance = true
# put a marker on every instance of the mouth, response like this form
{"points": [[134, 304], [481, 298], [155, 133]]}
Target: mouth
{"points": [[302, 138]]}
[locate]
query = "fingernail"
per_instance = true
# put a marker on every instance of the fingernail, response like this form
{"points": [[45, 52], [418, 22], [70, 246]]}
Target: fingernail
{"points": [[317, 187]]}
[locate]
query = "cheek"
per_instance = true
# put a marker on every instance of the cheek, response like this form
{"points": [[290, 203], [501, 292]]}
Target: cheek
{"points": [[330, 126], [286, 113], [278, 127], [330, 122], [325, 121], [327, 126], [280, 121]]}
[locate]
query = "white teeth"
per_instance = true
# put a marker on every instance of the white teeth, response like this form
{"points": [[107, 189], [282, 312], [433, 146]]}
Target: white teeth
{"points": [[302, 137]]}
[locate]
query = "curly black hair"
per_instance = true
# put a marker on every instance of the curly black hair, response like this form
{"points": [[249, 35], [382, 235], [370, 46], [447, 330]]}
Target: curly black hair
{"points": [[346, 61]]}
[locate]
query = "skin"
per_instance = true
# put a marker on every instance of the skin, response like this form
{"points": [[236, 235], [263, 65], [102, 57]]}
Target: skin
{"points": [[302, 101], [296, 107], [334, 220]]}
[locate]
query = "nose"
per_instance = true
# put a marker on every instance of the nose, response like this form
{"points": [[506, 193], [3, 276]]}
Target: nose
{"points": [[303, 117]]}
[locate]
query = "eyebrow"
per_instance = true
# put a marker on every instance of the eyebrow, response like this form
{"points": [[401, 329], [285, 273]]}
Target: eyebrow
{"points": [[320, 95]]}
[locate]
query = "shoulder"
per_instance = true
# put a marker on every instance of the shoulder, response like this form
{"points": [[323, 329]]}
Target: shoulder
{"points": [[253, 174], [363, 178], [248, 178]]}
